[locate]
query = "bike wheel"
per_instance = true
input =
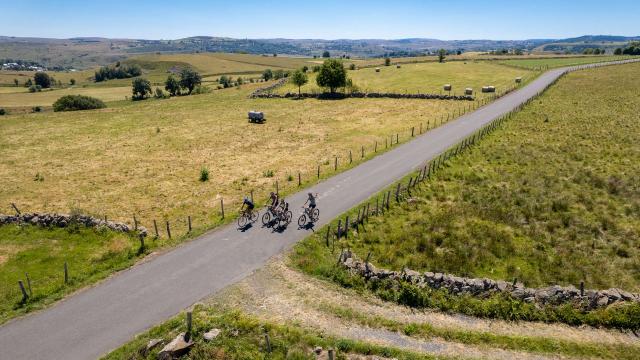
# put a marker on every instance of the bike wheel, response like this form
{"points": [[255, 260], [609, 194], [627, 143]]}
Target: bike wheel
{"points": [[315, 215], [288, 216], [302, 220], [254, 216], [266, 218], [242, 221]]}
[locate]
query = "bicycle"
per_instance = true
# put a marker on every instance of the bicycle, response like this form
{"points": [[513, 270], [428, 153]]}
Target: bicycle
{"points": [[312, 214], [267, 216], [284, 218], [247, 217]]}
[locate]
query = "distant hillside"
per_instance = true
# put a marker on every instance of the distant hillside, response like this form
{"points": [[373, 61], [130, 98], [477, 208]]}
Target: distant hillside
{"points": [[84, 52]]}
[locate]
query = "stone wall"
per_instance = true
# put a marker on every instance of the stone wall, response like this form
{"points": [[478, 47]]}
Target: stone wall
{"points": [[64, 220], [552, 295], [261, 92], [360, 95]]}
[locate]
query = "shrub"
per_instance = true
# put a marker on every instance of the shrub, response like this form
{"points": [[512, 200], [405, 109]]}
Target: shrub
{"points": [[140, 88], [225, 81], [387, 61], [77, 102], [159, 94], [267, 74], [42, 79], [204, 174], [442, 54], [172, 85], [36, 109], [201, 90], [316, 68], [326, 54], [352, 67], [72, 82], [268, 173], [305, 68], [3, 112]]}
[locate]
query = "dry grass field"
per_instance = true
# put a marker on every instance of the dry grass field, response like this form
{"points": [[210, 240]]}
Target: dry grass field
{"points": [[428, 77], [48, 97], [145, 158]]}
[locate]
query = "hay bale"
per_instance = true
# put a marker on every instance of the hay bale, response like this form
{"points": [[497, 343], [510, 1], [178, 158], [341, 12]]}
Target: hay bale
{"points": [[488, 89], [377, 69], [447, 87], [256, 116], [519, 79], [468, 91]]}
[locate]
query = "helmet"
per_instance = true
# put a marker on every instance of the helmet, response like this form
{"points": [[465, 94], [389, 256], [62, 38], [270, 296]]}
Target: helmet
{"points": [[246, 198], [271, 194]]}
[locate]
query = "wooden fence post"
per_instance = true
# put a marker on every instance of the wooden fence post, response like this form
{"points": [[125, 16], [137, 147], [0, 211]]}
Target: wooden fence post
{"points": [[318, 171], [335, 164], [331, 354], [327, 236], [362, 148], [155, 227], [346, 227], [375, 147], [66, 273], [339, 231], [15, 208], [397, 138], [277, 188], [398, 193], [412, 130], [581, 288], [169, 229], [135, 223], [28, 284], [141, 250], [420, 129], [24, 292], [221, 208], [268, 342], [299, 180], [187, 335], [350, 157], [189, 221], [251, 195]]}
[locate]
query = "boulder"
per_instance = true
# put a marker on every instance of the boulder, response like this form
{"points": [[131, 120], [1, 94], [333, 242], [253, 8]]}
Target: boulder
{"points": [[211, 334], [176, 348]]}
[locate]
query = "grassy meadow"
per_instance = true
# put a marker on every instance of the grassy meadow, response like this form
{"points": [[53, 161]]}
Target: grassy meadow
{"points": [[41, 253], [550, 198], [47, 97], [428, 77], [561, 61]]}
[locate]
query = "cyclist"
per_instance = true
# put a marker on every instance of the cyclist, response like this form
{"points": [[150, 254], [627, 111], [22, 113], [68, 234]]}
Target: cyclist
{"points": [[249, 204], [311, 199], [274, 202]]}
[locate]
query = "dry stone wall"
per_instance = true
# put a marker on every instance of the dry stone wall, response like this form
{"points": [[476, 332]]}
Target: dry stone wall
{"points": [[65, 220], [552, 295]]}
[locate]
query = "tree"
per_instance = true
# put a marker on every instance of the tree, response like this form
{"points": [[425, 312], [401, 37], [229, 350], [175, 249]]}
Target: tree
{"points": [[72, 82], [140, 88], [267, 74], [326, 54], [305, 68], [189, 79], [299, 78], [442, 54], [352, 66], [28, 83], [42, 79], [279, 74], [15, 81], [387, 61], [332, 75], [618, 51], [172, 85]]}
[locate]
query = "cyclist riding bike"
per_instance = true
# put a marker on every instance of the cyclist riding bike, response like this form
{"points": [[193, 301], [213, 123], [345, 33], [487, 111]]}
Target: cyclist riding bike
{"points": [[249, 205], [274, 202], [311, 200]]}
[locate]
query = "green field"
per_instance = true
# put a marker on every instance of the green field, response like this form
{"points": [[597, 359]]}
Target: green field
{"points": [[551, 198], [559, 62], [427, 78], [41, 253], [49, 96]]}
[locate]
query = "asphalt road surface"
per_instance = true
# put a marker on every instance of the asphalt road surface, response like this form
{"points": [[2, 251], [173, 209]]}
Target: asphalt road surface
{"points": [[99, 319]]}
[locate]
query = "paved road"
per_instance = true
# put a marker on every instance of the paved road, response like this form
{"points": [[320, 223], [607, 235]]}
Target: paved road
{"points": [[97, 320]]}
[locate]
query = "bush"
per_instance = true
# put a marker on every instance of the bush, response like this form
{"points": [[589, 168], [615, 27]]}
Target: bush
{"points": [[189, 79], [326, 54], [72, 82], [172, 85], [42, 79], [3, 112], [352, 67], [204, 174], [387, 61], [140, 88], [36, 109], [267, 74], [159, 94], [201, 90], [77, 102], [225, 81]]}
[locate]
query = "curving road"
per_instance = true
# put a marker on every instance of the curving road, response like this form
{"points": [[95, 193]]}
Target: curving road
{"points": [[99, 319]]}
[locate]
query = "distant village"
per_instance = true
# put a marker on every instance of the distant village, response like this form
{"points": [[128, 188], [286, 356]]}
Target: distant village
{"points": [[22, 67]]}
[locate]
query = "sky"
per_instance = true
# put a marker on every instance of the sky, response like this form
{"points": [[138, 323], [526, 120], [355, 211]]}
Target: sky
{"points": [[325, 19]]}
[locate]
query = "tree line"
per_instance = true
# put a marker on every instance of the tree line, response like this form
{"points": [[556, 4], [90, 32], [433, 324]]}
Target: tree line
{"points": [[632, 49], [119, 71]]}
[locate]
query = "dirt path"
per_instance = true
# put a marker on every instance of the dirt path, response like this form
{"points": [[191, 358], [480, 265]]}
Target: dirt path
{"points": [[279, 293]]}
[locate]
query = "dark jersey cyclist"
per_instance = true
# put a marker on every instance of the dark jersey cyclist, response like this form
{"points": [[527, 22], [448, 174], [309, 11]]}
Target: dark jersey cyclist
{"points": [[249, 204]]}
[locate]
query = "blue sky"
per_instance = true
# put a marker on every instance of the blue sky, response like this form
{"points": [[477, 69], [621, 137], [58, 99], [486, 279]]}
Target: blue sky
{"points": [[329, 19]]}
